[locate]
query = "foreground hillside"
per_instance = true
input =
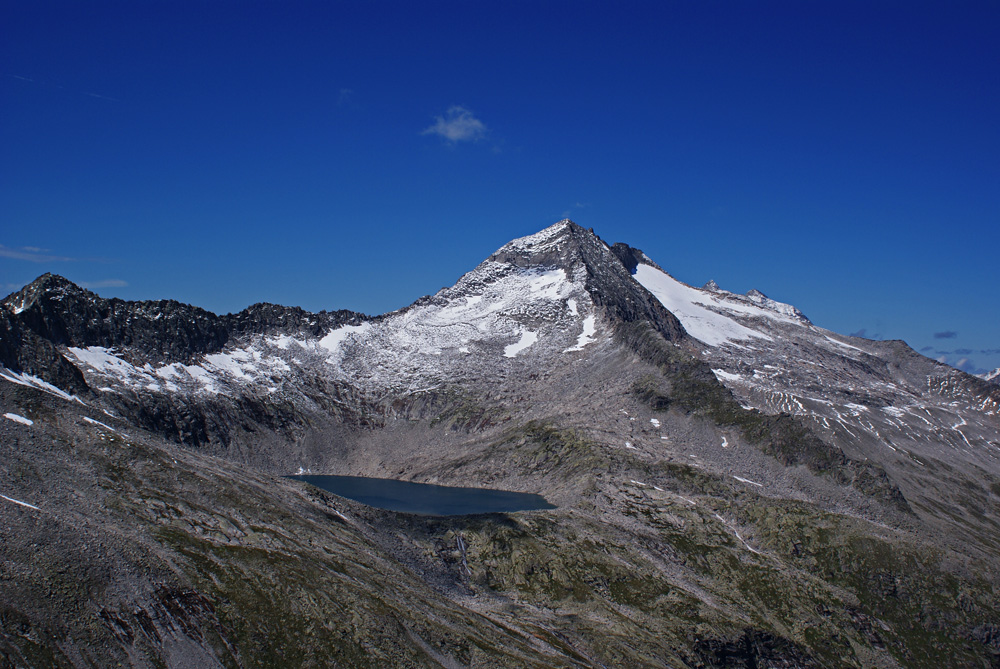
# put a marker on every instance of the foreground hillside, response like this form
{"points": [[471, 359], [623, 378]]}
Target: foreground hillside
{"points": [[735, 486]]}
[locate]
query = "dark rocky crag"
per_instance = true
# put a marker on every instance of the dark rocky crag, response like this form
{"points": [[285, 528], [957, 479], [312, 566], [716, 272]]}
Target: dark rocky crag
{"points": [[62, 313]]}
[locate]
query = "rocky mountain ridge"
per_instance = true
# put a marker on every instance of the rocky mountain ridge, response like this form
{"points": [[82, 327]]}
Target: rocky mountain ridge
{"points": [[736, 486]]}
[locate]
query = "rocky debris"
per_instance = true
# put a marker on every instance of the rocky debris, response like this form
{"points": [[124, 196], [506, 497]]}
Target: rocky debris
{"points": [[752, 649], [274, 319]]}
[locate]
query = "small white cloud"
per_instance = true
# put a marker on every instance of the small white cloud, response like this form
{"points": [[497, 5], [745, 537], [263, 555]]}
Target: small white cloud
{"points": [[102, 97], [31, 254], [458, 125]]}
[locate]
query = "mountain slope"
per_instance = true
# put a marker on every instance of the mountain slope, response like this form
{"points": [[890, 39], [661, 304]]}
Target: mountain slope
{"points": [[924, 422], [735, 486]]}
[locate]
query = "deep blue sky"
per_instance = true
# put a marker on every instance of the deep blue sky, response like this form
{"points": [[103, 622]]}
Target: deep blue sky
{"points": [[841, 156]]}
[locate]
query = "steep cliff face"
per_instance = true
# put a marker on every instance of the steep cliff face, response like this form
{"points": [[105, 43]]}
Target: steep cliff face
{"points": [[735, 485]]}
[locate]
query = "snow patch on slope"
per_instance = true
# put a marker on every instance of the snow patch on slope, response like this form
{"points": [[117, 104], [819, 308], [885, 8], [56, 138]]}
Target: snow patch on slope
{"points": [[23, 379], [17, 418], [229, 363], [697, 310], [487, 309], [284, 342], [187, 374], [527, 339], [99, 424], [723, 376], [587, 336], [17, 501], [105, 363], [546, 284], [333, 340], [240, 365], [840, 343]]}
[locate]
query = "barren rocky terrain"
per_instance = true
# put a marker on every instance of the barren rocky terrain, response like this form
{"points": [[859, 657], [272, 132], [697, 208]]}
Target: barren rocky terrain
{"points": [[735, 487]]}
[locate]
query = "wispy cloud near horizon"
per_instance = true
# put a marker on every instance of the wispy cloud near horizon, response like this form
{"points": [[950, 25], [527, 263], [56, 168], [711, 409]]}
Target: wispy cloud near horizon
{"points": [[32, 254], [458, 125], [963, 351], [46, 84], [345, 96]]}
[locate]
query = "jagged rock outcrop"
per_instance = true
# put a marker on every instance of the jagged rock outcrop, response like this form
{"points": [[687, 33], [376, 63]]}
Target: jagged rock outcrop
{"points": [[67, 315], [64, 314], [23, 350]]}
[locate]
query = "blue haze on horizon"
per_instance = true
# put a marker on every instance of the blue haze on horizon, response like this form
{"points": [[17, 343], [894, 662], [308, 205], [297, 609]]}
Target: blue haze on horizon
{"points": [[840, 156]]}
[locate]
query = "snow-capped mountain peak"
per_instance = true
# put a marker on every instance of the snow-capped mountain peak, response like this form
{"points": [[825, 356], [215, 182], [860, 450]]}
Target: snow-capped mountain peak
{"points": [[686, 430], [539, 301]]}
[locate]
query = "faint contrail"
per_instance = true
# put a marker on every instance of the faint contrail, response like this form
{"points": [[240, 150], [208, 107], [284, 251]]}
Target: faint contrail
{"points": [[63, 88]]}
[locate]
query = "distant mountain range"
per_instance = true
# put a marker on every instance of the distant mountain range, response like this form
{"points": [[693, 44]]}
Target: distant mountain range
{"points": [[735, 486]]}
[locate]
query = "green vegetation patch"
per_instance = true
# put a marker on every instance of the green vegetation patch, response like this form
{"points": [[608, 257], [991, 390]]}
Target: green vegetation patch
{"points": [[541, 447]]}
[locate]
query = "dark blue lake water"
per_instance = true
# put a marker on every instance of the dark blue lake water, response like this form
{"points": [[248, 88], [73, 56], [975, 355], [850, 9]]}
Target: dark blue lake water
{"points": [[424, 498]]}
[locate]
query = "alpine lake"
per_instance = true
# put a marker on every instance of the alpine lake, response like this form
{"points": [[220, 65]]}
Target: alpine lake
{"points": [[424, 498]]}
